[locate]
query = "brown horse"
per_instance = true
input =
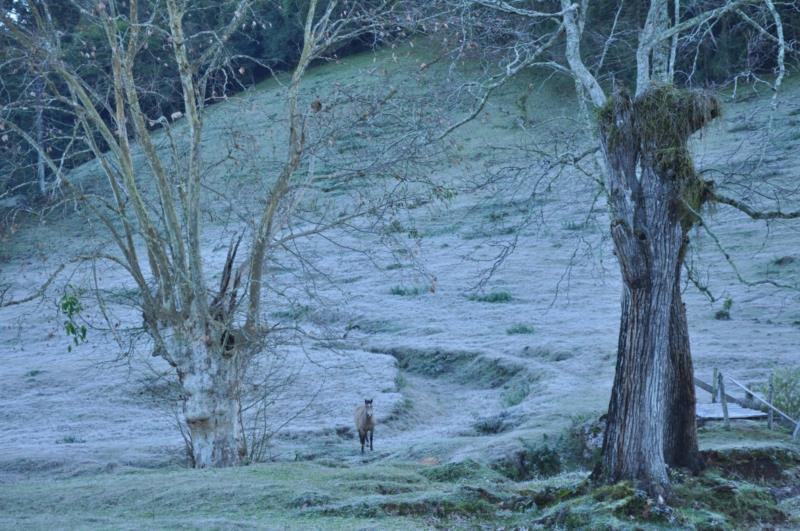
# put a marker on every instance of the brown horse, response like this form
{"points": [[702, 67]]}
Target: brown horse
{"points": [[365, 423]]}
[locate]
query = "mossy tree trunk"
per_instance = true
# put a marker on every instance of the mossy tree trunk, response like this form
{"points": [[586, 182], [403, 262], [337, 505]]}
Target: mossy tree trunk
{"points": [[653, 190]]}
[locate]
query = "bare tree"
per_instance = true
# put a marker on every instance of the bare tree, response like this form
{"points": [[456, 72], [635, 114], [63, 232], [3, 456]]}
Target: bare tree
{"points": [[654, 194], [209, 336]]}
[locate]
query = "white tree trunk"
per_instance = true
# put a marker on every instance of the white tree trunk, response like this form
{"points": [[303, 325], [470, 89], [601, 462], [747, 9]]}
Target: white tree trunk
{"points": [[210, 382]]}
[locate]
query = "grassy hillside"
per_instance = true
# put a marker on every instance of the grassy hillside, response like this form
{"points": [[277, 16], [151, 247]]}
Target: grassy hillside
{"points": [[465, 367]]}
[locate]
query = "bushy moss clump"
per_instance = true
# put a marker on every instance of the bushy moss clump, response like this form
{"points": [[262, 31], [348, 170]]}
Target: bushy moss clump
{"points": [[655, 127]]}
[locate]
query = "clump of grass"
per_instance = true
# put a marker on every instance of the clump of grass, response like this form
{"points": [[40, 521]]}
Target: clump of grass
{"points": [[295, 313], [33, 373], [725, 313], [70, 439], [409, 291], [467, 469], [310, 499], [547, 354], [736, 502], [519, 328], [575, 225], [396, 265], [530, 462], [493, 424], [581, 443], [493, 297], [516, 393], [783, 261], [394, 227], [400, 409]]}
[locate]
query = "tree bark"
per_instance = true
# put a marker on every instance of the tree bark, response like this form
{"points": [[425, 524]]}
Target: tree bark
{"points": [[651, 416], [210, 382], [635, 433], [680, 444]]}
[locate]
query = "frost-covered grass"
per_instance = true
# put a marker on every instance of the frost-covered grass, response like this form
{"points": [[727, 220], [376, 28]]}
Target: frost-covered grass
{"points": [[451, 389], [326, 494]]}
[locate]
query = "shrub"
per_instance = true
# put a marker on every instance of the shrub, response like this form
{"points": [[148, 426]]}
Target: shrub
{"points": [[786, 382], [725, 313]]}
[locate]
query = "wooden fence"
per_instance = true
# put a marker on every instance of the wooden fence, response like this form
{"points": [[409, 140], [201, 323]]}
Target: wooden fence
{"points": [[717, 390]]}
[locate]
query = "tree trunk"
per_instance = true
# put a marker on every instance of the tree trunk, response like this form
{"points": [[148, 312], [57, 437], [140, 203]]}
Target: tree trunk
{"points": [[210, 382], [680, 445], [635, 433], [651, 415]]}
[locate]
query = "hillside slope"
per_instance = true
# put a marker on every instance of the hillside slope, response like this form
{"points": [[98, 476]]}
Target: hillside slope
{"points": [[528, 350]]}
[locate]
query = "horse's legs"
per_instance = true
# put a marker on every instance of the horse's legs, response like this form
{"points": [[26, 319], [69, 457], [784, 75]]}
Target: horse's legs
{"points": [[371, 434], [362, 437]]}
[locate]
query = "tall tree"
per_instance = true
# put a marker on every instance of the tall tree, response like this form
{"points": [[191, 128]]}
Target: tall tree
{"points": [[654, 194]]}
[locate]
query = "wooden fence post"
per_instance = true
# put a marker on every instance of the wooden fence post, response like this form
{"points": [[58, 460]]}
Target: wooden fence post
{"points": [[714, 380], [770, 398], [721, 387]]}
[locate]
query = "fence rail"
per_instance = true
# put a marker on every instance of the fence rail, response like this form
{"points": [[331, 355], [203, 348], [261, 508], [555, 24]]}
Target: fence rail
{"points": [[717, 389]]}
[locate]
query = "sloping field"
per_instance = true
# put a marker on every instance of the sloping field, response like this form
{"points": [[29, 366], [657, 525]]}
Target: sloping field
{"points": [[461, 364]]}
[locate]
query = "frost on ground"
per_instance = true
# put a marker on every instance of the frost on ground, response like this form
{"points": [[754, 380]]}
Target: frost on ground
{"points": [[442, 357]]}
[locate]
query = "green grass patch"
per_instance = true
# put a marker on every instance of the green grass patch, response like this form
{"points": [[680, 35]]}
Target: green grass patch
{"points": [[295, 313], [409, 291], [531, 461], [575, 225], [70, 439], [493, 297], [519, 328]]}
